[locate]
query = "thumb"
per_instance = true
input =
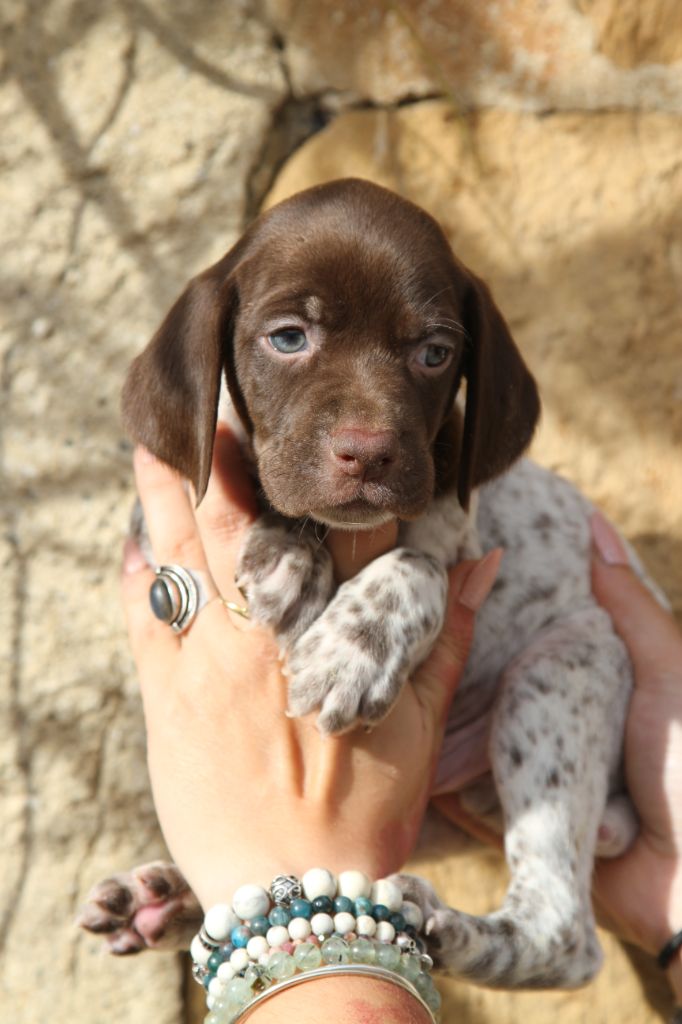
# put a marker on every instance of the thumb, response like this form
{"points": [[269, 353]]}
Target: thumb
{"points": [[649, 632], [437, 679]]}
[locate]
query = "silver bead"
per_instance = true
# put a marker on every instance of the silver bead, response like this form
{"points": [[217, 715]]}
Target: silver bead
{"points": [[207, 941], [284, 889], [199, 973], [406, 943], [426, 962]]}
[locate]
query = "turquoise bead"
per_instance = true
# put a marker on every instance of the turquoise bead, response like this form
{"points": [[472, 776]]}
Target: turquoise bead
{"points": [[279, 915], [398, 922], [362, 951], [259, 925], [343, 905], [207, 979], [387, 956], [240, 936], [380, 913], [363, 905], [301, 908], [307, 956], [281, 965], [322, 905], [335, 950]]}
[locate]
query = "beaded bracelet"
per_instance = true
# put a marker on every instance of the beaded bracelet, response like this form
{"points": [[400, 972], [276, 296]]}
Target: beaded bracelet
{"points": [[301, 929], [665, 957]]}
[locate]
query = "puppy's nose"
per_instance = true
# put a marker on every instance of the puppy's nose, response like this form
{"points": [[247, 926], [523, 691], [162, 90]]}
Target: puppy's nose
{"points": [[363, 453]]}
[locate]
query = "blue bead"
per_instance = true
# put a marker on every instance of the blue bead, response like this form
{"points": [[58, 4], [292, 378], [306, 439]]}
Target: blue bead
{"points": [[398, 922], [207, 979], [215, 960], [301, 908], [240, 936], [279, 915], [323, 905], [363, 905], [379, 912], [259, 925], [410, 930], [342, 905]]}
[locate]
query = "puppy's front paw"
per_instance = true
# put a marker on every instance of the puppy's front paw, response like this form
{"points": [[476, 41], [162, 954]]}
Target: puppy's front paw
{"points": [[286, 574], [150, 907], [356, 656], [351, 674]]}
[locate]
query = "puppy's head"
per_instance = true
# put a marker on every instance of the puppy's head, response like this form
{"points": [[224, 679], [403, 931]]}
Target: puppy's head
{"points": [[344, 325]]}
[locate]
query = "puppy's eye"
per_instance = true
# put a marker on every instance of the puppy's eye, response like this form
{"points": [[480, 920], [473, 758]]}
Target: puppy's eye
{"points": [[433, 355], [288, 341]]}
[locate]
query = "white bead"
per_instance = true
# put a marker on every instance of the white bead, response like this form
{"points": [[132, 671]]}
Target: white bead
{"points": [[277, 935], [412, 914], [385, 931], [318, 882], [199, 952], [299, 928], [343, 922], [219, 921], [239, 959], [386, 892], [256, 945], [365, 925], [226, 971], [354, 884], [250, 901], [321, 924], [217, 988], [210, 1001], [264, 958]]}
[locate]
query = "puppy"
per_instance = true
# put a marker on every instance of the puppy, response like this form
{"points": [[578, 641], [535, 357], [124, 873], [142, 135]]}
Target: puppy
{"points": [[344, 327]]}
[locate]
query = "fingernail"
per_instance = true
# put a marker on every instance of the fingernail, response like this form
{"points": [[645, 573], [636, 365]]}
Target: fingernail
{"points": [[480, 580], [607, 542], [133, 559], [145, 456]]}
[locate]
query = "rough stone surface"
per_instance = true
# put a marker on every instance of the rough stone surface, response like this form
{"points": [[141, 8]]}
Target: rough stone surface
{"points": [[128, 136], [137, 139], [568, 54]]}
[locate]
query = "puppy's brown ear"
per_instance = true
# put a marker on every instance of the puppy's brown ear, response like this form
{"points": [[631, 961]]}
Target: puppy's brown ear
{"points": [[502, 403], [170, 396]]}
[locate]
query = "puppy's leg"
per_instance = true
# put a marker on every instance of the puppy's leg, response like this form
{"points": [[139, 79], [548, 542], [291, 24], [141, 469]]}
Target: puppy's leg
{"points": [[554, 747], [354, 659], [150, 907], [286, 574]]}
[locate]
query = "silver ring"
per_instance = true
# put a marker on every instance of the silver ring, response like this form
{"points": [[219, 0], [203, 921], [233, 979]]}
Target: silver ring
{"points": [[177, 595]]}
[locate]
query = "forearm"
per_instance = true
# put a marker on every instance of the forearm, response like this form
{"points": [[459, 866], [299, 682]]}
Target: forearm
{"points": [[346, 1000]]}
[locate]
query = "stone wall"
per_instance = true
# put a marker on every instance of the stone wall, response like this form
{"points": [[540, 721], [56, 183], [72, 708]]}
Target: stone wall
{"points": [[138, 138]]}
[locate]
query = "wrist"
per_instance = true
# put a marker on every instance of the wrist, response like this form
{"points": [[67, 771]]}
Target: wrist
{"points": [[346, 1000]]}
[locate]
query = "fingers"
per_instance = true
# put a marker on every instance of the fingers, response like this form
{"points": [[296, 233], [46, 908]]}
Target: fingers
{"points": [[226, 511], [470, 583], [168, 513], [650, 634], [151, 641]]}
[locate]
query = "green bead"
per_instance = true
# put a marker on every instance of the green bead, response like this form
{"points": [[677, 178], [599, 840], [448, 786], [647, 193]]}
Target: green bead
{"points": [[387, 956], [307, 956], [410, 966], [335, 951], [238, 991], [281, 966], [362, 951]]}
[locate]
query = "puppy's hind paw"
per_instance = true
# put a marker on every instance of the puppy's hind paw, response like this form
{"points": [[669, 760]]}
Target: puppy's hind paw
{"points": [[150, 907]]}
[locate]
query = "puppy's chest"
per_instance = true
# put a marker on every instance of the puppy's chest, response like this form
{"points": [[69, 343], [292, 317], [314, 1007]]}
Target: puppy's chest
{"points": [[542, 524]]}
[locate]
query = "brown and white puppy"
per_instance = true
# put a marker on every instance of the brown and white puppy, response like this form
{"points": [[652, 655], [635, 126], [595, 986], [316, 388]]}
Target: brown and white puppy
{"points": [[344, 326]]}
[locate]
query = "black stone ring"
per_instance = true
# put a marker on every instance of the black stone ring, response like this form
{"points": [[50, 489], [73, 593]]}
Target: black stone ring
{"points": [[177, 596]]}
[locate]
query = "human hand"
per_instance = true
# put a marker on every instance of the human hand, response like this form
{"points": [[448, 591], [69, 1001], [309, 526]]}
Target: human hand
{"points": [[640, 893], [242, 792]]}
